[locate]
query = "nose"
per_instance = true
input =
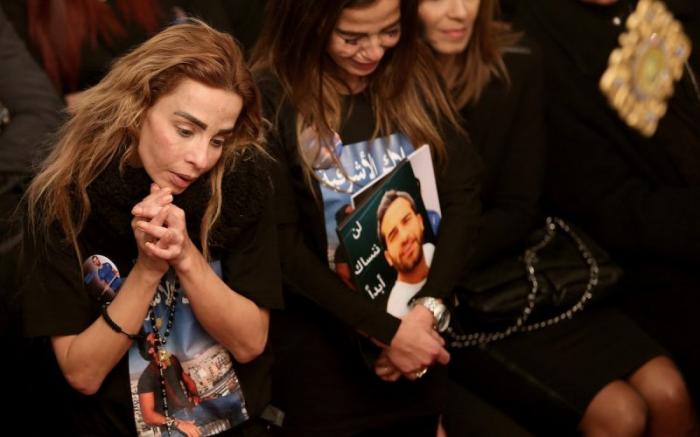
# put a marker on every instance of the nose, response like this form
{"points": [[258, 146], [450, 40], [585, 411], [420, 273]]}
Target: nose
{"points": [[457, 9], [198, 154], [404, 236], [373, 50]]}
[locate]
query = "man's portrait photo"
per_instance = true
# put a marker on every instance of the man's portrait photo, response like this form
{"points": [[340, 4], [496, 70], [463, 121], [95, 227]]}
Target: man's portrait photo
{"points": [[401, 229]]}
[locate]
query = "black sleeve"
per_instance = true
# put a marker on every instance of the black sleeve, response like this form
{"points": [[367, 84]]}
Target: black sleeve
{"points": [[303, 271], [54, 300], [458, 182], [517, 172], [35, 109], [252, 267]]}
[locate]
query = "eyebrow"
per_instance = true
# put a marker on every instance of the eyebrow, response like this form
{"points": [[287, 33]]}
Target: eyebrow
{"points": [[202, 125], [357, 34]]}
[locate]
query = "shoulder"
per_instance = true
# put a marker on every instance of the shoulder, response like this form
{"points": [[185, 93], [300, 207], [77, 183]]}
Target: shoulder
{"points": [[246, 188], [523, 59]]}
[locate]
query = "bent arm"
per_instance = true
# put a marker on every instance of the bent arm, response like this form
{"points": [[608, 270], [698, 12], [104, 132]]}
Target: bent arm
{"points": [[234, 310], [231, 318], [515, 165], [86, 358]]}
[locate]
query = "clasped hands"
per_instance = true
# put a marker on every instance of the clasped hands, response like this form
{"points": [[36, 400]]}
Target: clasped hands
{"points": [[160, 230], [415, 347]]}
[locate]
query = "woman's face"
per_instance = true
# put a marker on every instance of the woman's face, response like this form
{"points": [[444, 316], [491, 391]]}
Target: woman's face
{"points": [[362, 36], [448, 24], [184, 132]]}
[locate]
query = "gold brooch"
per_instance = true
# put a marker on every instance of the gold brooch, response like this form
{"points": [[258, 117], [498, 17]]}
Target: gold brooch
{"points": [[641, 72]]}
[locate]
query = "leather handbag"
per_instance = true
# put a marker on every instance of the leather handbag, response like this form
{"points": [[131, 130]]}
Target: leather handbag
{"points": [[560, 272]]}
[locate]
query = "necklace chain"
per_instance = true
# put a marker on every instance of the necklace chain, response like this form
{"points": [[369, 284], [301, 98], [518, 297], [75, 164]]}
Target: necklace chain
{"points": [[162, 339]]}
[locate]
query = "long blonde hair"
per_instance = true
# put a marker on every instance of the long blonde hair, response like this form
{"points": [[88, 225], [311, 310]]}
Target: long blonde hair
{"points": [[107, 121], [482, 60], [405, 91]]}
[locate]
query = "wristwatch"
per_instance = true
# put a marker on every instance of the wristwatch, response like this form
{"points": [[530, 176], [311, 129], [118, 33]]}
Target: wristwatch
{"points": [[439, 310]]}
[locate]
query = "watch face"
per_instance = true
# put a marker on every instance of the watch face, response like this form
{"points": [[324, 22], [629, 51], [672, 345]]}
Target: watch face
{"points": [[439, 310]]}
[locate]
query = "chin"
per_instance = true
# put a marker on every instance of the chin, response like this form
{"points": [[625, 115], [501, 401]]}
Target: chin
{"points": [[451, 48]]}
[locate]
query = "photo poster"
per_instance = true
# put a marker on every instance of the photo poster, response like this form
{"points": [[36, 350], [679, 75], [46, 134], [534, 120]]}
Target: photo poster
{"points": [[359, 234], [202, 384]]}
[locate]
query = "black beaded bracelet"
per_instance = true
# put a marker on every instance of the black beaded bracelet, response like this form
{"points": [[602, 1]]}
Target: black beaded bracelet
{"points": [[112, 324]]}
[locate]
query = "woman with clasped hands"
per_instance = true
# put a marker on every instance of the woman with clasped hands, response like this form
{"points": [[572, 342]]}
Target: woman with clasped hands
{"points": [[159, 173]]}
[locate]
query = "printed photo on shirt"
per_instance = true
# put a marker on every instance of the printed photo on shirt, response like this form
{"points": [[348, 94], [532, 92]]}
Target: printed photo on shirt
{"points": [[188, 371], [101, 277]]}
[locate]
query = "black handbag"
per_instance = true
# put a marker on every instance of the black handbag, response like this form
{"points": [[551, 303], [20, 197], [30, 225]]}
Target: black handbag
{"points": [[560, 272]]}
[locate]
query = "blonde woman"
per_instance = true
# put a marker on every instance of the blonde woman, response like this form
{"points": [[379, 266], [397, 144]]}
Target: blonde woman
{"points": [[598, 371], [345, 80], [160, 174]]}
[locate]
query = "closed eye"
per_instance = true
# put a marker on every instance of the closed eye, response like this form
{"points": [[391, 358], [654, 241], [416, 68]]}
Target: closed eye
{"points": [[184, 133], [218, 142], [394, 31]]}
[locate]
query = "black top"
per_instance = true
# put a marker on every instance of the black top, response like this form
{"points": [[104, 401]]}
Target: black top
{"points": [[637, 196], [35, 112], [506, 126], [56, 302], [334, 313], [301, 221]]}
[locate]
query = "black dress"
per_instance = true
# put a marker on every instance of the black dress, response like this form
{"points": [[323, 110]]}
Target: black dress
{"points": [[638, 197], [546, 378]]}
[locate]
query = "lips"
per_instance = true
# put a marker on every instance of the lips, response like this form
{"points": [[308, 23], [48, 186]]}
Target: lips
{"points": [[366, 67], [180, 180], [455, 34]]}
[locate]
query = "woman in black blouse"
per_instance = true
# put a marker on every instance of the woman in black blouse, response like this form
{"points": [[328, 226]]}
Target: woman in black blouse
{"points": [[606, 373], [342, 78], [151, 220]]}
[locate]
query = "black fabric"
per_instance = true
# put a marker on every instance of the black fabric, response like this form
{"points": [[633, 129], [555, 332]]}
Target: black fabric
{"points": [[638, 197], [56, 302], [544, 379], [322, 381], [511, 143], [35, 111]]}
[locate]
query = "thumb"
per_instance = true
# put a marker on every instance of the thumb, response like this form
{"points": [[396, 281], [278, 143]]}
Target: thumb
{"points": [[443, 356]]}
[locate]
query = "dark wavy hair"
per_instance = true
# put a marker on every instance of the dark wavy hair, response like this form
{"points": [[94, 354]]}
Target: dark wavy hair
{"points": [[405, 91]]}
